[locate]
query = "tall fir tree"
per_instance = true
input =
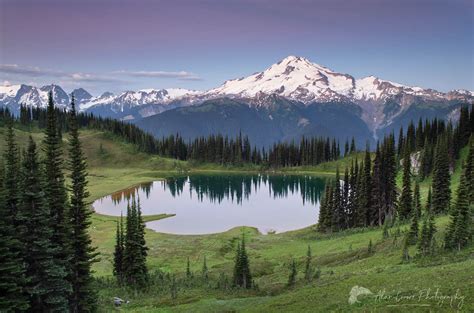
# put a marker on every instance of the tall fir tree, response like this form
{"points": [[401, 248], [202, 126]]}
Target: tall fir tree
{"points": [[12, 271], [406, 198], [417, 207], [46, 278], [242, 275], [56, 194], [459, 232], [365, 202], [426, 240], [414, 227], [134, 262], [83, 297], [441, 178], [338, 218], [308, 269], [12, 157], [118, 270]]}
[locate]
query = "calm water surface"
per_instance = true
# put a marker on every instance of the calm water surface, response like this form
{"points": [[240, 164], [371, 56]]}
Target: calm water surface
{"points": [[206, 204]]}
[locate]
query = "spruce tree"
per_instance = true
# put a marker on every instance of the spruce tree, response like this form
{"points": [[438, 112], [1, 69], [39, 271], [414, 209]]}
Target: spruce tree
{"points": [[83, 297], [417, 199], [338, 218], [441, 178], [242, 275], [414, 228], [237, 279], [188, 269], [12, 271], [426, 239], [308, 269], [46, 279], [56, 194], [406, 199], [377, 194], [134, 262], [12, 157], [365, 199], [142, 243], [118, 270], [459, 229]]}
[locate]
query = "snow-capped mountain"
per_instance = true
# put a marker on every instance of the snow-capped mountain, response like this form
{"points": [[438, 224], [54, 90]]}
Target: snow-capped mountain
{"points": [[131, 105], [108, 104], [14, 95], [138, 98], [299, 79]]}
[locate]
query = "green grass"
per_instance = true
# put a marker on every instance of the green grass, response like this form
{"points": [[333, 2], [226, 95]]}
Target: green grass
{"points": [[342, 258]]}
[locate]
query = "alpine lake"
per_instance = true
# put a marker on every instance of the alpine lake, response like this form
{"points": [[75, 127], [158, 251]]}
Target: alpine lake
{"points": [[213, 203]]}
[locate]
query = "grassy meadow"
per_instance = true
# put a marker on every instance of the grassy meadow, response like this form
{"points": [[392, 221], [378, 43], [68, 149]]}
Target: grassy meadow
{"points": [[443, 283]]}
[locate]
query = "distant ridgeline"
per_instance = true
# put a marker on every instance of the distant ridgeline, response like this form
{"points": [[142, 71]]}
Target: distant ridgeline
{"points": [[239, 150]]}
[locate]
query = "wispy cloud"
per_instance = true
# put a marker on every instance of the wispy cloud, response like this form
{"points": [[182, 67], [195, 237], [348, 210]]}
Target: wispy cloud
{"points": [[27, 70], [84, 77], [181, 75], [30, 71]]}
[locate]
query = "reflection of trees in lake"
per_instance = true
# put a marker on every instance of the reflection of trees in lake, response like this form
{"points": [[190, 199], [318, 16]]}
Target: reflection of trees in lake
{"points": [[127, 194], [216, 188], [239, 187]]}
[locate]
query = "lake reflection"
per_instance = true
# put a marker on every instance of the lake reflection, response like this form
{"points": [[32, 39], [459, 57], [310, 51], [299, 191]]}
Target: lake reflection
{"points": [[206, 204]]}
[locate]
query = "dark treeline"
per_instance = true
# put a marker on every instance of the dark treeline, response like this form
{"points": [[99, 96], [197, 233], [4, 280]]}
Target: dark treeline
{"points": [[213, 149], [366, 193], [45, 247]]}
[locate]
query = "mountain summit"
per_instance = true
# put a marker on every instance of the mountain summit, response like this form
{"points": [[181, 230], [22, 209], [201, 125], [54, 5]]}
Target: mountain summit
{"points": [[299, 79]]}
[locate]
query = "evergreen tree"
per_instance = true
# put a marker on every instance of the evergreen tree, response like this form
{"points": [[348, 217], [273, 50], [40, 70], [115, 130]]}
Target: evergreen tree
{"points": [[417, 199], [242, 276], [188, 269], [46, 279], [406, 199], [56, 194], [119, 251], [441, 178], [374, 215], [353, 146], [12, 158], [322, 218], [426, 239], [293, 273], [308, 269], [365, 199], [135, 270], [414, 228], [338, 218], [12, 296], [83, 297], [460, 227]]}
